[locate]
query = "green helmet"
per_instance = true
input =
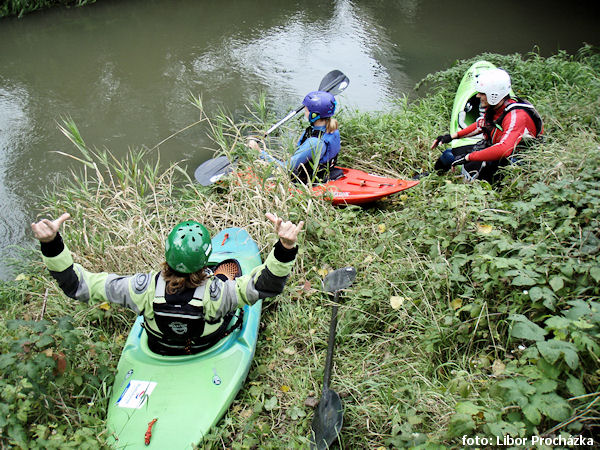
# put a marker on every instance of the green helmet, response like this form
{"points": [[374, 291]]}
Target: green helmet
{"points": [[188, 247]]}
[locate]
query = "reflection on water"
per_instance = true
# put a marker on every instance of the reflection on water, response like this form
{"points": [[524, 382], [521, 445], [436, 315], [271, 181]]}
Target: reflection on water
{"points": [[13, 133], [124, 70]]}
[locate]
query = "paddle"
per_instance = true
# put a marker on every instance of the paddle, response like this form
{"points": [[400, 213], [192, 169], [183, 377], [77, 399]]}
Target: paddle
{"points": [[328, 419], [334, 82], [209, 172]]}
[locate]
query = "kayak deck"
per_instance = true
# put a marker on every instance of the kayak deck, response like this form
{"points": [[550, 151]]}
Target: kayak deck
{"points": [[186, 394], [356, 187]]}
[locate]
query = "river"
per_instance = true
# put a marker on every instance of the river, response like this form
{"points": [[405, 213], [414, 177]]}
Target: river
{"points": [[124, 70]]}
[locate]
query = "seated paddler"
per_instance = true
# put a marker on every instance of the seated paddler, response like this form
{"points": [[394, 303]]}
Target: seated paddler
{"points": [[318, 147], [507, 125], [187, 306]]}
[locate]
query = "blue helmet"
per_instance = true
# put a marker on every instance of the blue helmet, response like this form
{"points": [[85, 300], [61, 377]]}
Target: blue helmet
{"points": [[320, 105]]}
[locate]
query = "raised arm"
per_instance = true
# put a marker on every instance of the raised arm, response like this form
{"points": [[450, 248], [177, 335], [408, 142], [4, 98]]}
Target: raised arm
{"points": [[265, 281], [134, 292]]}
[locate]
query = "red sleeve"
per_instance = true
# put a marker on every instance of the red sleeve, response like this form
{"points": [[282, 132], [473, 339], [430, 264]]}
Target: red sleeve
{"points": [[514, 124], [471, 129]]}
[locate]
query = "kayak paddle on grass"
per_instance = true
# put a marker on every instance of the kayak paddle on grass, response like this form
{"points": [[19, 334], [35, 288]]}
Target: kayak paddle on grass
{"points": [[329, 414]]}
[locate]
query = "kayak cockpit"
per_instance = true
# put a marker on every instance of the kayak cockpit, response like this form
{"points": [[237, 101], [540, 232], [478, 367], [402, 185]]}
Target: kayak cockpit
{"points": [[470, 112]]}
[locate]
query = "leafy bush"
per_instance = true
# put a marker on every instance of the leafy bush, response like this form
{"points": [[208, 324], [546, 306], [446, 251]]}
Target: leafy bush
{"points": [[44, 392]]}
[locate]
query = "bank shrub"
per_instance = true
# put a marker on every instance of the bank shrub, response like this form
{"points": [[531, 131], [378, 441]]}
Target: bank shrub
{"points": [[20, 7]]}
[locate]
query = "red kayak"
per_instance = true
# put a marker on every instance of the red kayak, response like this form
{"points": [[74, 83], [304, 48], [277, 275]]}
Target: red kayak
{"points": [[350, 187], [353, 187], [356, 187]]}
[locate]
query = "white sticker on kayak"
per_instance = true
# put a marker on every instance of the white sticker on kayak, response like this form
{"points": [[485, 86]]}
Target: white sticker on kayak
{"points": [[135, 394]]}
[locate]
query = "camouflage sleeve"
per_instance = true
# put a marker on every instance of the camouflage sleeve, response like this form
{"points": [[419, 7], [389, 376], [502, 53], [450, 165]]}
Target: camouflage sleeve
{"points": [[266, 280], [134, 292]]}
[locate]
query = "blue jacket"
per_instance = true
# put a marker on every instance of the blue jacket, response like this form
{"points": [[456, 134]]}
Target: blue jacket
{"points": [[311, 148]]}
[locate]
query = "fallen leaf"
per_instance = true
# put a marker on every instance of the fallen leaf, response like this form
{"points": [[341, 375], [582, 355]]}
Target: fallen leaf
{"points": [[22, 277], [48, 352], [381, 227], [396, 301], [404, 197], [289, 351], [105, 306], [306, 286], [456, 303], [61, 363], [285, 388], [323, 272], [498, 367], [484, 229]]}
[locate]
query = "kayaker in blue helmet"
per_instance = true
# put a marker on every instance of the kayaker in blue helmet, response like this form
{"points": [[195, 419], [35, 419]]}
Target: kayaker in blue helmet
{"points": [[318, 147], [185, 298], [505, 123]]}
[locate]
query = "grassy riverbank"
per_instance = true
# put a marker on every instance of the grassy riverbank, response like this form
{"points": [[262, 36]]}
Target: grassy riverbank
{"points": [[474, 312], [20, 7]]}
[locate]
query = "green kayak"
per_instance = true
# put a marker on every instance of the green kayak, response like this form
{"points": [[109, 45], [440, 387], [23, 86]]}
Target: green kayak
{"points": [[465, 110], [187, 395]]}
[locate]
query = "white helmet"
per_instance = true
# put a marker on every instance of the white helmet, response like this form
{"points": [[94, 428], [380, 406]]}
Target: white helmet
{"points": [[494, 83]]}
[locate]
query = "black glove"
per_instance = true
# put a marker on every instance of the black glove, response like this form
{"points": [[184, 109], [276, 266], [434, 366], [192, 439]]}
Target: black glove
{"points": [[460, 161], [443, 138]]}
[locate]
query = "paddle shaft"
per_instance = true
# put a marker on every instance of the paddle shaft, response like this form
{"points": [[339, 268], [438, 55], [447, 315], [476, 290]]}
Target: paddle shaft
{"points": [[284, 120], [328, 87], [330, 344]]}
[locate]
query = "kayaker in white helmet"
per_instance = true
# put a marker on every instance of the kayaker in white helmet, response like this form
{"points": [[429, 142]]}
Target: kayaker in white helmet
{"points": [[319, 143], [184, 289], [506, 122]]}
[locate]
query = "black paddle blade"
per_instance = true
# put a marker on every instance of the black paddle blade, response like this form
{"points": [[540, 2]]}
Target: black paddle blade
{"points": [[334, 82], [209, 172], [327, 421], [339, 279]]}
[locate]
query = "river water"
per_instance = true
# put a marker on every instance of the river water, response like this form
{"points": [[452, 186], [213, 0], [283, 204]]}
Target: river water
{"points": [[124, 70]]}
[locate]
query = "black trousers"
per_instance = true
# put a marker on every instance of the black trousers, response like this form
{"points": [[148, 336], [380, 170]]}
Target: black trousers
{"points": [[480, 170]]}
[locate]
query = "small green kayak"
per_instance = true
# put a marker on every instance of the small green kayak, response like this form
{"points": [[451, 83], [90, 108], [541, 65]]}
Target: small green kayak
{"points": [[465, 110], [186, 394]]}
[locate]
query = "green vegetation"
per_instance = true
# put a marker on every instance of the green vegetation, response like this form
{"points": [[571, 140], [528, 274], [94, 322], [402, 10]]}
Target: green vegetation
{"points": [[475, 310], [21, 7]]}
